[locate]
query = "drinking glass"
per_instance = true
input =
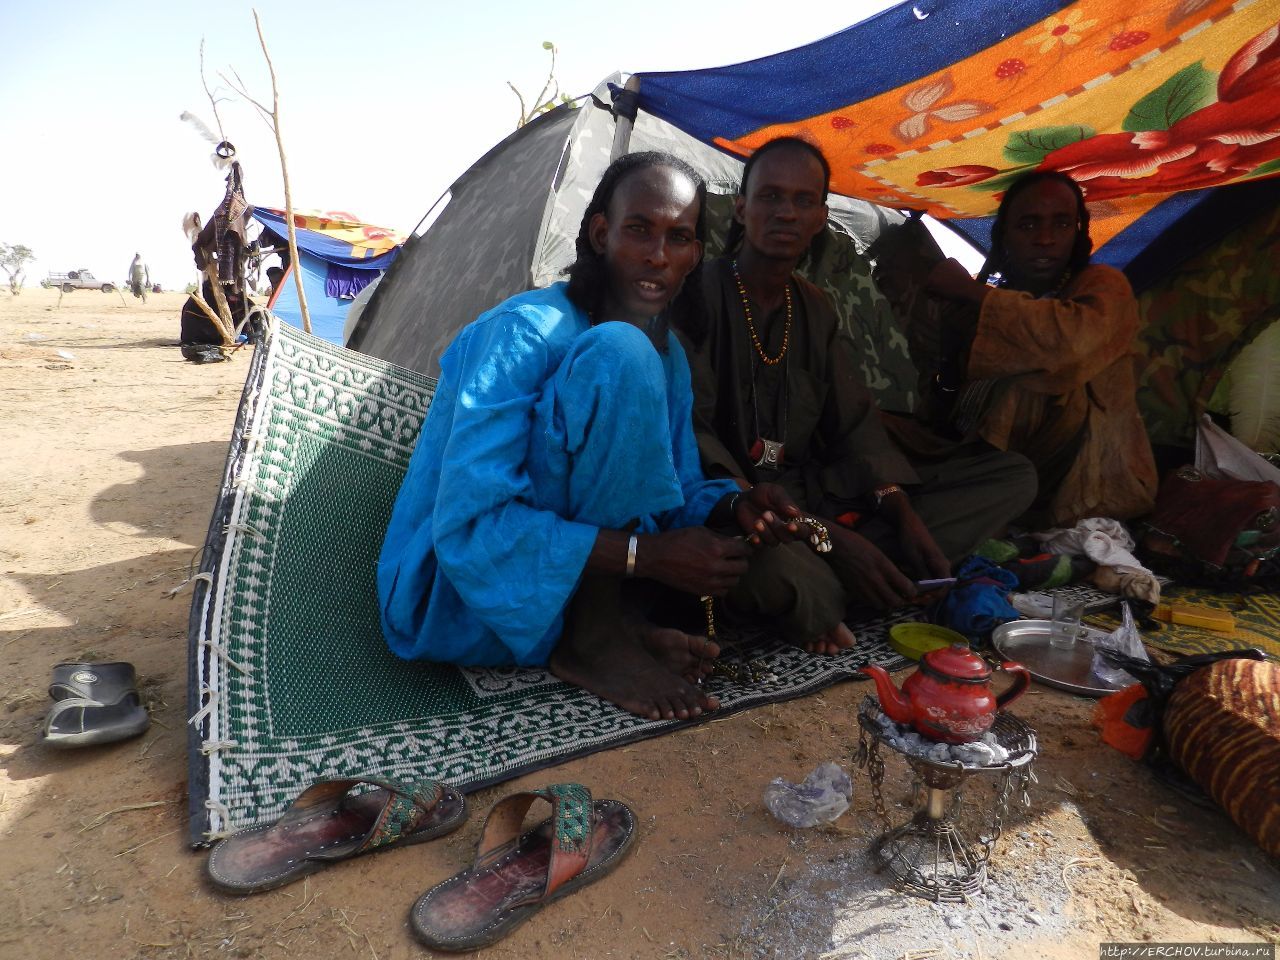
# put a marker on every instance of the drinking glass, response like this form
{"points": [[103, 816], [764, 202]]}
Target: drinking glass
{"points": [[1065, 628]]}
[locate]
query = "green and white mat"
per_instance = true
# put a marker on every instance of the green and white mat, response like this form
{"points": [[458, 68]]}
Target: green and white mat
{"points": [[290, 679]]}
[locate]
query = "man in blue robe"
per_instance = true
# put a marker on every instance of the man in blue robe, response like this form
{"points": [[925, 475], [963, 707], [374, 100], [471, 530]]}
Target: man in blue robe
{"points": [[558, 459]]}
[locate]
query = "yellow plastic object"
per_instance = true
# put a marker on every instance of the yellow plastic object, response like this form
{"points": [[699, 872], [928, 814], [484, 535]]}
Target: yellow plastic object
{"points": [[914, 640], [1195, 615]]}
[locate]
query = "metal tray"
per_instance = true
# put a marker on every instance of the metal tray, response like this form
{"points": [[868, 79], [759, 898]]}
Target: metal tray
{"points": [[1027, 642]]}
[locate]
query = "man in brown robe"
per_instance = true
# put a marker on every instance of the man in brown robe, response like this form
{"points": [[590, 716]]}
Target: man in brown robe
{"points": [[1048, 366], [778, 397]]}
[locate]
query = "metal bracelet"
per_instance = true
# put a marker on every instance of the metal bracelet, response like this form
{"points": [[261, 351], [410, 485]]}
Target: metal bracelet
{"points": [[881, 492], [631, 556]]}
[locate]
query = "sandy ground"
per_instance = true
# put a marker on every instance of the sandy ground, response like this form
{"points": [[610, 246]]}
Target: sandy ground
{"points": [[111, 448]]}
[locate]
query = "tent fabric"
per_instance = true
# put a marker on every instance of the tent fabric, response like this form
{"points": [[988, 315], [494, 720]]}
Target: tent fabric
{"points": [[335, 237], [511, 223], [338, 256], [1134, 101], [328, 313], [1197, 319], [475, 254]]}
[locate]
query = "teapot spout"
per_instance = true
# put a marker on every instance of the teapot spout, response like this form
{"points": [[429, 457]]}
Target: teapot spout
{"points": [[896, 706]]}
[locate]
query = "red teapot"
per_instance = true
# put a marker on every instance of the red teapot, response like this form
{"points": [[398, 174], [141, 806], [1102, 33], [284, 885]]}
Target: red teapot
{"points": [[949, 698]]}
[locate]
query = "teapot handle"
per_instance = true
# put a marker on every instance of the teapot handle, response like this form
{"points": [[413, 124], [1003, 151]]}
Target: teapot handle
{"points": [[1021, 680]]}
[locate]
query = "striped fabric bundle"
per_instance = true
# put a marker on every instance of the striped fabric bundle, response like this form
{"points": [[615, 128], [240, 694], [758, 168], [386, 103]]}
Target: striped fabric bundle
{"points": [[1222, 726]]}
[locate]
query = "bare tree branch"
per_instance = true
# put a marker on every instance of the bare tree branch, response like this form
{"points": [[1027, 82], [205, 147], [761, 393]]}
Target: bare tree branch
{"points": [[524, 117], [217, 119], [541, 104], [284, 173], [242, 91], [551, 78]]}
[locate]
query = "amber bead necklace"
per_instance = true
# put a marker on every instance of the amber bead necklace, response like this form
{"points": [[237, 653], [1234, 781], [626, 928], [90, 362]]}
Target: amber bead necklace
{"points": [[751, 327]]}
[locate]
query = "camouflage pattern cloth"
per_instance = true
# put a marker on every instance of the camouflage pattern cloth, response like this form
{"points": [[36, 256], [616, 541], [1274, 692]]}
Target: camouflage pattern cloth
{"points": [[1196, 321]]}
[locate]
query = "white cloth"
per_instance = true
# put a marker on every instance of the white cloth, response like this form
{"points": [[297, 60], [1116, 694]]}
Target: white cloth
{"points": [[1108, 544], [1220, 456]]}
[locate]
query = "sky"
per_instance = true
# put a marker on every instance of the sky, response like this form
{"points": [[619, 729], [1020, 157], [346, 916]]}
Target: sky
{"points": [[382, 106]]}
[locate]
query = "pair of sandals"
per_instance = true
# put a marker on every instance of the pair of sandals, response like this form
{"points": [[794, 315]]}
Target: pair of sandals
{"points": [[514, 875]]}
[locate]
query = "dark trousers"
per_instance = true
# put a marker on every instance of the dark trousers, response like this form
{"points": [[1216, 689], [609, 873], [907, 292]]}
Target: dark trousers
{"points": [[963, 500]]}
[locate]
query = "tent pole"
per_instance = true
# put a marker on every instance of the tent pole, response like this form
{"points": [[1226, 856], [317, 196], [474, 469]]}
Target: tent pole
{"points": [[624, 116]]}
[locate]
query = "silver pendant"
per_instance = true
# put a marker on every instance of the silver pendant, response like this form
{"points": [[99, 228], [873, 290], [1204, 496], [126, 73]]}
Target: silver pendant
{"points": [[770, 454]]}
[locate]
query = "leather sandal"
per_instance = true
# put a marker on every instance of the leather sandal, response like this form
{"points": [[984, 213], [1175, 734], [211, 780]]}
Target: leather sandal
{"points": [[327, 823], [93, 703], [515, 875]]}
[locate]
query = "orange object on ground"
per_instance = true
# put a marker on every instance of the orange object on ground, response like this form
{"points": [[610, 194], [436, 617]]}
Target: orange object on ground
{"points": [[1195, 615], [1116, 717]]}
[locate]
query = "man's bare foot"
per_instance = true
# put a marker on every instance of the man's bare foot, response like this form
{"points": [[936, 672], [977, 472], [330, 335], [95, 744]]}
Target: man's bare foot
{"points": [[692, 657], [838, 638], [601, 651]]}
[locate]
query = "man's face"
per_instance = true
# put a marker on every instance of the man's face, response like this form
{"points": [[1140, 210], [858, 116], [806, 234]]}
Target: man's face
{"points": [[781, 207], [1040, 231], [649, 240]]}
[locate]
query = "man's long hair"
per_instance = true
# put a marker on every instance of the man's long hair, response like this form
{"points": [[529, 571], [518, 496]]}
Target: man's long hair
{"points": [[997, 259], [734, 237], [588, 277]]}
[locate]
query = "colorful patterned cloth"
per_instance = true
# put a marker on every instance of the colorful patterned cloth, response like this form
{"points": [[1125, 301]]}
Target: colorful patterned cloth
{"points": [[1136, 101], [1257, 618]]}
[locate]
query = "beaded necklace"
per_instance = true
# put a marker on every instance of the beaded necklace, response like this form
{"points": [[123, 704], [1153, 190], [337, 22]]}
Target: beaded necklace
{"points": [[751, 327]]}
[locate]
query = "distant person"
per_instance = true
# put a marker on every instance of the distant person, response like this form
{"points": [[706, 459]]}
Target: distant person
{"points": [[139, 277], [274, 276], [1044, 364]]}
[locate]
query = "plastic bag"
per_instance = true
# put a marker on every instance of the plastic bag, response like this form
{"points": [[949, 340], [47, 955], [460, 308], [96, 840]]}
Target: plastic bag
{"points": [[1124, 639], [823, 796]]}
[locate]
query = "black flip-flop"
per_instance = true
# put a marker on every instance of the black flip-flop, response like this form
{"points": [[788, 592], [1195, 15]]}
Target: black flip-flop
{"points": [[515, 875], [328, 823], [94, 703]]}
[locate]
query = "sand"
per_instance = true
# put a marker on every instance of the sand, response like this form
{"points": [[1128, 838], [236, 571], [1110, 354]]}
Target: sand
{"points": [[111, 449]]}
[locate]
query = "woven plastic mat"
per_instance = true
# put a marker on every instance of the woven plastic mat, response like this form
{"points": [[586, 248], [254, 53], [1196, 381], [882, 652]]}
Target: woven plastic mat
{"points": [[290, 679]]}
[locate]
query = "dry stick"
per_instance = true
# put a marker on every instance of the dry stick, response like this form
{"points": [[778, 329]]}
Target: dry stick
{"points": [[213, 101], [225, 325], [103, 817], [145, 842], [274, 113]]}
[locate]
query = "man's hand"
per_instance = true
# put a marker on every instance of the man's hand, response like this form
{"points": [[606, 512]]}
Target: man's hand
{"points": [[766, 515], [692, 559], [951, 281], [866, 572], [919, 548]]}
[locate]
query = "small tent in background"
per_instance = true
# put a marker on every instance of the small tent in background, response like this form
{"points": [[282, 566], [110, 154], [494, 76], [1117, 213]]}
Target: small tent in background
{"points": [[338, 257], [511, 222]]}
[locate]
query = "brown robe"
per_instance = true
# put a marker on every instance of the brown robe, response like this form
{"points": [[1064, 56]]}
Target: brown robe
{"points": [[836, 452], [1065, 368], [836, 449]]}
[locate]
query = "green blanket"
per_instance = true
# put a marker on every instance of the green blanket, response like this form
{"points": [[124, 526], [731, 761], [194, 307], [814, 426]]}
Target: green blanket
{"points": [[290, 679]]}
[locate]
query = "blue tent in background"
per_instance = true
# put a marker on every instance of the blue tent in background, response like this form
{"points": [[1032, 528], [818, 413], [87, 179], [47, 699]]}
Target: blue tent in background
{"points": [[338, 257]]}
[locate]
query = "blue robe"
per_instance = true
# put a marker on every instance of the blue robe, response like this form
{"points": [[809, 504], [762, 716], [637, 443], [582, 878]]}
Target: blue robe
{"points": [[543, 430]]}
